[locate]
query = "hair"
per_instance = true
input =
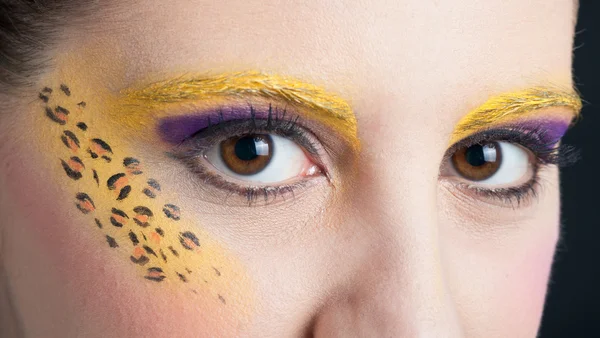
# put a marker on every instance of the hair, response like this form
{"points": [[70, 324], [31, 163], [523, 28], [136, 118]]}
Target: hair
{"points": [[27, 29]]}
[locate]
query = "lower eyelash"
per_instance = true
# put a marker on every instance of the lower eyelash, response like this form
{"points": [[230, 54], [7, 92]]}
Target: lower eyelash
{"points": [[253, 194], [546, 152]]}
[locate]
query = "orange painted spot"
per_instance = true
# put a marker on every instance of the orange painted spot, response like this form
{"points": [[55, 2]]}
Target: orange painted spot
{"points": [[142, 218], [75, 165], [138, 252], [86, 205], [119, 219], [155, 237], [121, 182]]}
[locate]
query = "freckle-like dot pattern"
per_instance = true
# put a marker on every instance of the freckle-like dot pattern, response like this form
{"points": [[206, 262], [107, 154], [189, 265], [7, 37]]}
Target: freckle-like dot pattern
{"points": [[145, 248]]}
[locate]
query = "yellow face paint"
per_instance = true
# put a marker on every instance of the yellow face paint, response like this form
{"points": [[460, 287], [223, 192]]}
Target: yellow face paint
{"points": [[136, 216], [312, 101], [510, 107]]}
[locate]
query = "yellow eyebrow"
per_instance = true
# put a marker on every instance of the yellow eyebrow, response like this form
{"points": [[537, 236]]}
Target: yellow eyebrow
{"points": [[320, 105], [511, 106]]}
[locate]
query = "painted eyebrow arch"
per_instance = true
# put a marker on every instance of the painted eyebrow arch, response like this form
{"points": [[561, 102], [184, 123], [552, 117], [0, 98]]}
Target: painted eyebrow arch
{"points": [[511, 106], [315, 102], [242, 85]]}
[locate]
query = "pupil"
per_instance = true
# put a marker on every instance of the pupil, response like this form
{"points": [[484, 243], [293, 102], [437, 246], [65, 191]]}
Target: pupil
{"points": [[250, 147], [475, 155]]}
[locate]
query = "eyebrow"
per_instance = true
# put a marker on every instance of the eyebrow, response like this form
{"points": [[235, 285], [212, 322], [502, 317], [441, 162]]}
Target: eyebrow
{"points": [[319, 104], [509, 107]]}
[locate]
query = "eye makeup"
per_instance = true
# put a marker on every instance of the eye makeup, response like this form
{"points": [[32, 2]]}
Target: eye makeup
{"points": [[519, 119], [309, 101], [194, 144], [519, 107], [136, 216]]}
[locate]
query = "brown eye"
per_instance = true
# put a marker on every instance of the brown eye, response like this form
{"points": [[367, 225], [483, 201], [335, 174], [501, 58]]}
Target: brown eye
{"points": [[248, 154], [477, 162]]}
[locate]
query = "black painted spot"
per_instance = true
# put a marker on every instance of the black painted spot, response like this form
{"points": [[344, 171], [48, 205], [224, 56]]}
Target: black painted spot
{"points": [[142, 215], [173, 251], [133, 237], [111, 242], [44, 98], [96, 177], [47, 90], [84, 203], [104, 147], [115, 218], [182, 277], [82, 126], [155, 274], [74, 174], [82, 104], [222, 299], [65, 89], [124, 192], [188, 270], [141, 261], [60, 119], [187, 239], [69, 138], [98, 223], [217, 272], [152, 188], [172, 211], [133, 165], [149, 250], [110, 183], [106, 158], [162, 254], [160, 232]]}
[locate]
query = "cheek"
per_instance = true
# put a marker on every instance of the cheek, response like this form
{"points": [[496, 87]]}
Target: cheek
{"points": [[91, 266]]}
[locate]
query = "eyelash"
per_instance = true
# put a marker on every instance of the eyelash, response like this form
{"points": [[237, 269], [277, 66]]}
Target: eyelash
{"points": [[546, 153], [281, 124]]}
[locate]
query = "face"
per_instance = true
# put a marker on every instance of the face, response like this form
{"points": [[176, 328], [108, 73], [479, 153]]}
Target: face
{"points": [[329, 169]]}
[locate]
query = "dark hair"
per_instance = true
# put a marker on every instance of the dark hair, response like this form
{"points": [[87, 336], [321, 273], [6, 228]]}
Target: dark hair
{"points": [[27, 29]]}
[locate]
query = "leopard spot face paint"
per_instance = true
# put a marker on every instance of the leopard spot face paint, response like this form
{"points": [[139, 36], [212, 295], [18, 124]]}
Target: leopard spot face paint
{"points": [[143, 214], [82, 126], [111, 242], [84, 203], [70, 140], [152, 188], [119, 182], [133, 238], [99, 148], [118, 218], [172, 211], [73, 167], [133, 166], [155, 274], [65, 89], [59, 115], [189, 241]]}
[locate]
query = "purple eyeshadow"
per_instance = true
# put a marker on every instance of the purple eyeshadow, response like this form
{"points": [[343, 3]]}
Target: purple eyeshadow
{"points": [[175, 129], [549, 131]]}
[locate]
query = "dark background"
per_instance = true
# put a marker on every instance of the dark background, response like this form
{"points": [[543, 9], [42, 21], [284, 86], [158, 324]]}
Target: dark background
{"points": [[573, 303]]}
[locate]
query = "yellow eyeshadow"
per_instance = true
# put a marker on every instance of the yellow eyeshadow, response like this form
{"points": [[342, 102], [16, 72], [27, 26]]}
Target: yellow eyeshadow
{"points": [[314, 102], [509, 107]]}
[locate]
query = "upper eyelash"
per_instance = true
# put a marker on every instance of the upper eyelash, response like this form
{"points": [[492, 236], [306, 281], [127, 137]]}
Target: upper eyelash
{"points": [[547, 152], [284, 124]]}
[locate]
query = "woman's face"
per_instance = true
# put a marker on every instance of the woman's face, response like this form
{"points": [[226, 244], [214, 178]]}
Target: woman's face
{"points": [[230, 168]]}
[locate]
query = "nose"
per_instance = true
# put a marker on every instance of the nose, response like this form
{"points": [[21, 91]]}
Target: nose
{"points": [[400, 288], [399, 291]]}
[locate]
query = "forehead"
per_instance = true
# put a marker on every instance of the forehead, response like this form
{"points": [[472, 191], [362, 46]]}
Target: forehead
{"points": [[432, 57]]}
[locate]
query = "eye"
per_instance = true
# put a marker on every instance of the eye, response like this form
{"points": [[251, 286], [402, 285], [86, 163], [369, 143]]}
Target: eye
{"points": [[260, 158], [494, 164]]}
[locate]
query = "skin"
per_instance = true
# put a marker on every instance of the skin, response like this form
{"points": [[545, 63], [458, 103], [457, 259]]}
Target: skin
{"points": [[384, 248]]}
